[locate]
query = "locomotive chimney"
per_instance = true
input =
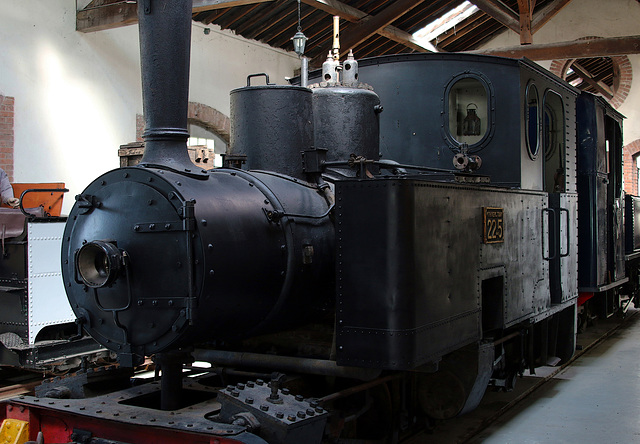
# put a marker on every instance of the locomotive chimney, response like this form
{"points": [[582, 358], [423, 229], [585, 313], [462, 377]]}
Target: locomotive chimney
{"points": [[165, 39]]}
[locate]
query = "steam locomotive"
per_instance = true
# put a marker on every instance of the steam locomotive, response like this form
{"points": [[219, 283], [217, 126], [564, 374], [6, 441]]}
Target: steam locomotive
{"points": [[371, 255]]}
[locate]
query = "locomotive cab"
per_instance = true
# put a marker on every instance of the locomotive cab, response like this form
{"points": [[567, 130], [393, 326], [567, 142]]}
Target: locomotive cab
{"points": [[601, 237]]}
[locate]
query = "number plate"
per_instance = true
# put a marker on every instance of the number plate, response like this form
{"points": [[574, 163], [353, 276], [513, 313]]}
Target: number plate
{"points": [[493, 225]]}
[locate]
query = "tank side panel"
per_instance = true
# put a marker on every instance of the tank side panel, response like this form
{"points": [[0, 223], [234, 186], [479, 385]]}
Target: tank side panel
{"points": [[410, 265]]}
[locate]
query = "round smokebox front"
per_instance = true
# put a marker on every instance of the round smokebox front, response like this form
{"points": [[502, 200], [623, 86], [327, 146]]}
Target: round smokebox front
{"points": [[123, 261]]}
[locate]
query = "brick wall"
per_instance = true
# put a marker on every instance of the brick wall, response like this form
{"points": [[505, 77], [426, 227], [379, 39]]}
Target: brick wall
{"points": [[6, 134], [623, 74], [139, 127], [629, 154]]}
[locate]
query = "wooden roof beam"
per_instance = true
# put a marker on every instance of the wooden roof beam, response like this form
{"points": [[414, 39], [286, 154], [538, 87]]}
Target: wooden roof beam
{"points": [[371, 24], [525, 23], [100, 14], [526, 12], [108, 14], [461, 30], [500, 12], [104, 14], [210, 5], [546, 14], [577, 49], [334, 7], [354, 15], [601, 87]]}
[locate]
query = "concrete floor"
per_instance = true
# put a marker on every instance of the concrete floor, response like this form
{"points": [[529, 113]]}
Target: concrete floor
{"points": [[595, 400]]}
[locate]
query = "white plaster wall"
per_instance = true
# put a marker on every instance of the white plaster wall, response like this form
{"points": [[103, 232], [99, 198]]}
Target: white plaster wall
{"points": [[601, 18], [77, 95]]}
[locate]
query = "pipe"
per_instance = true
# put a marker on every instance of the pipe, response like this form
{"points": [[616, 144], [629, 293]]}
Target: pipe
{"points": [[359, 388], [320, 367], [304, 71], [171, 380], [165, 46], [336, 38]]}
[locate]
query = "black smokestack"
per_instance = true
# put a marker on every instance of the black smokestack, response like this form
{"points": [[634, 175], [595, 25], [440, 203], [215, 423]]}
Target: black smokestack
{"points": [[165, 46]]}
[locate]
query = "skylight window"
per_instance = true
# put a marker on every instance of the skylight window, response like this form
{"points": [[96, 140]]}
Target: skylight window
{"points": [[444, 24]]}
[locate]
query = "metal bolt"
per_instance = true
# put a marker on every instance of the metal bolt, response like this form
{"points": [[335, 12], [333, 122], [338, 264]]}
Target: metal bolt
{"points": [[136, 228], [167, 226], [310, 412], [249, 400], [299, 398], [285, 391], [302, 414], [152, 226], [291, 418], [279, 415], [235, 393], [264, 408], [203, 222]]}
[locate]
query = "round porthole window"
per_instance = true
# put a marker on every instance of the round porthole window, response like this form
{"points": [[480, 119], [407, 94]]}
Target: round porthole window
{"points": [[468, 117]]}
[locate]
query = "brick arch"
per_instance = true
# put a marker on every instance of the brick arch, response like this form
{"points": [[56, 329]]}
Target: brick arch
{"points": [[623, 75], [211, 119], [629, 153], [202, 115]]}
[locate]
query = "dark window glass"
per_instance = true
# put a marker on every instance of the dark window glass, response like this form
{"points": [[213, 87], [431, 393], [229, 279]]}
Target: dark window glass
{"points": [[532, 127]]}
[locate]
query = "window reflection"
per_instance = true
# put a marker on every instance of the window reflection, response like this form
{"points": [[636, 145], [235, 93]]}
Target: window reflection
{"points": [[468, 119]]}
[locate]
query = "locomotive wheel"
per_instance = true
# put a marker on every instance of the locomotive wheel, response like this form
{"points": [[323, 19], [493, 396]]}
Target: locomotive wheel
{"points": [[367, 418], [442, 395]]}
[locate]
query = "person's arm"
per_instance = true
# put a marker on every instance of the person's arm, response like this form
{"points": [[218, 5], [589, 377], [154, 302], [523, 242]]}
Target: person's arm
{"points": [[6, 190]]}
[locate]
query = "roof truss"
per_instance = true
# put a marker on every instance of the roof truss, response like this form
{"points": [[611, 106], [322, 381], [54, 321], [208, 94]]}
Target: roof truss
{"points": [[524, 22], [106, 14], [376, 29], [577, 49]]}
